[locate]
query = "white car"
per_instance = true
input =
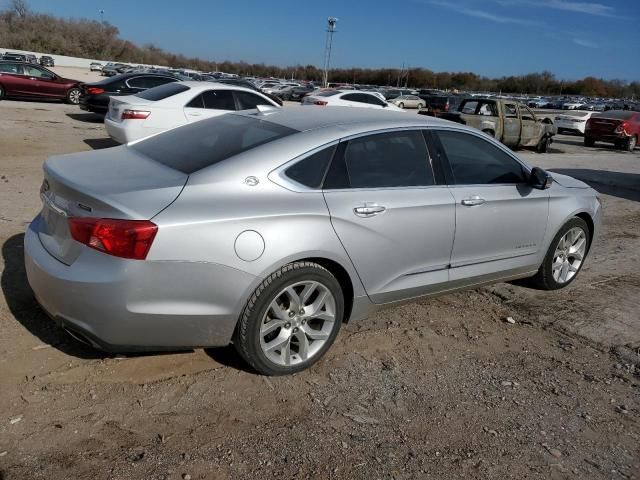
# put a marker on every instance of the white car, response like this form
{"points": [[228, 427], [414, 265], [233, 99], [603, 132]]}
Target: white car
{"points": [[573, 122], [350, 98], [95, 66], [174, 104]]}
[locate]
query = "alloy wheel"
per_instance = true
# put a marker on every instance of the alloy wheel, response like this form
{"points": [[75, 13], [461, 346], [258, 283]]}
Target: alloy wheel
{"points": [[74, 96], [569, 255], [297, 323]]}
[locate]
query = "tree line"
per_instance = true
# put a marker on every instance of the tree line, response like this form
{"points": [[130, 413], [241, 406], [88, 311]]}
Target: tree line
{"points": [[25, 30]]}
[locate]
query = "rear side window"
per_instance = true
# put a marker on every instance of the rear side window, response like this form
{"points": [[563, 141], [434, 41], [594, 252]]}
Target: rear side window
{"points": [[249, 101], [196, 146], [510, 111], [475, 161], [8, 68], [214, 100], [397, 159], [163, 91], [310, 171]]}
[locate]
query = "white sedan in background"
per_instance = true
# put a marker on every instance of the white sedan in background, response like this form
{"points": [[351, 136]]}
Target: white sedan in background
{"points": [[573, 122], [408, 101], [171, 105], [349, 98]]}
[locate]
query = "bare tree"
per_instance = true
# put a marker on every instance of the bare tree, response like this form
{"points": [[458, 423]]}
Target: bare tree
{"points": [[20, 7]]}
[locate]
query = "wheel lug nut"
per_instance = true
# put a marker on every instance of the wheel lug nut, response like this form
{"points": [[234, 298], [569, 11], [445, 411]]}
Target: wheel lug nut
{"points": [[302, 311], [304, 321], [287, 325], [291, 313], [295, 330]]}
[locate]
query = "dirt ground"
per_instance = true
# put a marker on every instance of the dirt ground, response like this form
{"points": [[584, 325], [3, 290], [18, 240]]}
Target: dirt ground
{"points": [[438, 389]]}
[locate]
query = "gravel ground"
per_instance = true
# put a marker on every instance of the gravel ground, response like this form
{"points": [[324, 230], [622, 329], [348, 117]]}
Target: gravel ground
{"points": [[442, 388]]}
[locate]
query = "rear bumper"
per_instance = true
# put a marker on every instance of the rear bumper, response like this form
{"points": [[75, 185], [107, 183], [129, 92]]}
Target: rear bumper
{"points": [[606, 137], [129, 305]]}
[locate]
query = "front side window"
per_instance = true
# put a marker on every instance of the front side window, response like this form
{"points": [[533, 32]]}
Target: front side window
{"points": [[527, 114], [35, 72], [488, 109], [475, 161], [397, 159], [510, 111], [249, 101]]}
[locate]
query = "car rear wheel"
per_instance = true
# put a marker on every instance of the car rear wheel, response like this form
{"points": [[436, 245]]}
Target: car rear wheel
{"points": [[401, 105], [1, 92], [589, 142], [73, 96], [290, 320], [631, 143], [420, 106], [565, 256]]}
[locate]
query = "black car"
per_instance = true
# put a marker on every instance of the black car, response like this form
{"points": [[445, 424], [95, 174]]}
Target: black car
{"points": [[294, 93], [14, 57], [239, 82], [434, 104], [95, 96], [47, 61]]}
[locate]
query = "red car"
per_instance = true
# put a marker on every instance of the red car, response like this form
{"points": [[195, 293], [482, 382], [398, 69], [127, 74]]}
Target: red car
{"points": [[26, 80], [620, 127]]}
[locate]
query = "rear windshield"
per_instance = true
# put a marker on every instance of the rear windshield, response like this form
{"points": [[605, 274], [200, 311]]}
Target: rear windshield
{"points": [[204, 143], [328, 93], [621, 114], [163, 91]]}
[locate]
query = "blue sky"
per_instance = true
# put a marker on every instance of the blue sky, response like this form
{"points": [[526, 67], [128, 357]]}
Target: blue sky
{"points": [[571, 38]]}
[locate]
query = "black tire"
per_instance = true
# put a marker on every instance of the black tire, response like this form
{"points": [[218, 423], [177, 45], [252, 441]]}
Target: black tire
{"points": [[631, 143], [420, 105], [543, 144], [247, 335], [1, 92], [401, 105], [544, 278], [589, 142], [73, 96], [286, 98]]}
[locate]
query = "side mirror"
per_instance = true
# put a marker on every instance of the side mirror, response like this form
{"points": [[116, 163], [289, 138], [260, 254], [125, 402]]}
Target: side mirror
{"points": [[540, 179]]}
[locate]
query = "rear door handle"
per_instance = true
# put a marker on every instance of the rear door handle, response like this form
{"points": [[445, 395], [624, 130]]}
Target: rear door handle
{"points": [[369, 210], [473, 201]]}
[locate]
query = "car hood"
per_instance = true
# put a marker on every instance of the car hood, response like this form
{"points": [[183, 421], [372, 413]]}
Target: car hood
{"points": [[567, 181]]}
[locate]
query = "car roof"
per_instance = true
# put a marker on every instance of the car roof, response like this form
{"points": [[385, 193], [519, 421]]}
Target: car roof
{"points": [[353, 120]]}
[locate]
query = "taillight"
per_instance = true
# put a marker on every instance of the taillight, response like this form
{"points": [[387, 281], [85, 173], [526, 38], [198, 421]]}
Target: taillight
{"points": [[589, 123], [120, 238], [446, 106], [95, 90], [320, 102], [135, 114], [622, 128]]}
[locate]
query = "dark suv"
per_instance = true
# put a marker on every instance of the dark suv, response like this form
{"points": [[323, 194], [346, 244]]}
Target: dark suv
{"points": [[95, 96]]}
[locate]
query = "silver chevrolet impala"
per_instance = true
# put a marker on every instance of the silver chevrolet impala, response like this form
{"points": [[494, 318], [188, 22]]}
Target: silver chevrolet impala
{"points": [[271, 229]]}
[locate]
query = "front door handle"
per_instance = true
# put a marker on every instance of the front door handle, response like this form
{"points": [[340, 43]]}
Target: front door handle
{"points": [[473, 201], [368, 210]]}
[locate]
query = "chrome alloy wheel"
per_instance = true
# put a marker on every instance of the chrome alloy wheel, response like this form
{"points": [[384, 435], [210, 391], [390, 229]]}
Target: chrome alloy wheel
{"points": [[569, 255], [74, 96], [297, 323]]}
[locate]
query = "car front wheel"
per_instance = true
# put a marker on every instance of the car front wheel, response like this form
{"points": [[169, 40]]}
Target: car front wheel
{"points": [[73, 96], [565, 256], [290, 320]]}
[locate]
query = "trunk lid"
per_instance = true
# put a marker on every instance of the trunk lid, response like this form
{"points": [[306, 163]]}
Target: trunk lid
{"points": [[111, 183], [118, 104], [604, 125]]}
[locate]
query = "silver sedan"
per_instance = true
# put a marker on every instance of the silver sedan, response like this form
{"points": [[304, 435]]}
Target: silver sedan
{"points": [[271, 229]]}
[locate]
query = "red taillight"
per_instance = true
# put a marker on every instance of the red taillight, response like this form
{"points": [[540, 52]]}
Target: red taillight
{"points": [[446, 106], [120, 238], [95, 90], [135, 114], [320, 102], [622, 128]]}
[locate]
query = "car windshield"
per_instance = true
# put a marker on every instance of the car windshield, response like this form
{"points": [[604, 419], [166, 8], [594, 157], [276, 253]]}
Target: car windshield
{"points": [[163, 91], [207, 142]]}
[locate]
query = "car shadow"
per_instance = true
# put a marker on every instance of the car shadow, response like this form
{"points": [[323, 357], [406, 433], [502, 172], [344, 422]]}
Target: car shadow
{"points": [[578, 141], [617, 184], [229, 357], [86, 117], [100, 143], [25, 309]]}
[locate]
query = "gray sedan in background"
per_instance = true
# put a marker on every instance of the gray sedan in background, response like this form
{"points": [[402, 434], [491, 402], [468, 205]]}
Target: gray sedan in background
{"points": [[271, 229]]}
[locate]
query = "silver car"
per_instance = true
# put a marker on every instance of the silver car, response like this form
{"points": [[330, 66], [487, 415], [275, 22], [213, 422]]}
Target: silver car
{"points": [[271, 229]]}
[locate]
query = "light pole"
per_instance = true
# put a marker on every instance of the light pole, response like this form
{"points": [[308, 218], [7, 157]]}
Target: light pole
{"points": [[331, 28], [101, 16]]}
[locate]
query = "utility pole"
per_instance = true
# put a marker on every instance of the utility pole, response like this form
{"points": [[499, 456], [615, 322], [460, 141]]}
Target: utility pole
{"points": [[101, 16], [331, 28]]}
